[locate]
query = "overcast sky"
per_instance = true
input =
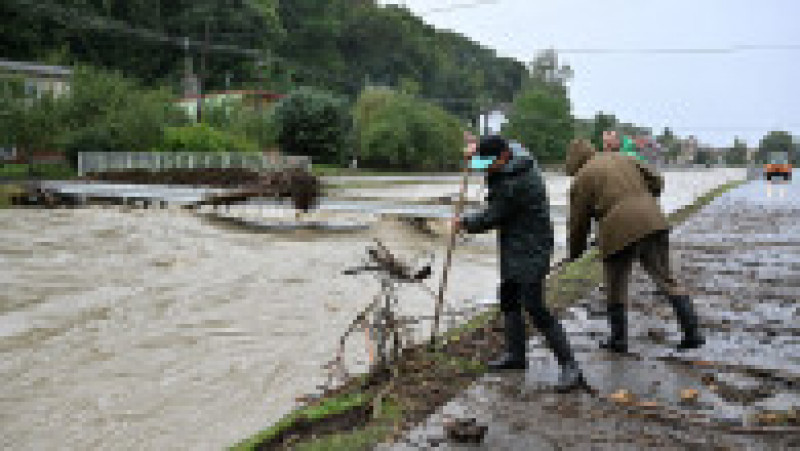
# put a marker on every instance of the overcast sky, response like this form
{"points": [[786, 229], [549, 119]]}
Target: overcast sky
{"points": [[714, 96]]}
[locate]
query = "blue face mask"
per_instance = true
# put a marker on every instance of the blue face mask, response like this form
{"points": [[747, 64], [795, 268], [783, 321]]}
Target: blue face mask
{"points": [[481, 163]]}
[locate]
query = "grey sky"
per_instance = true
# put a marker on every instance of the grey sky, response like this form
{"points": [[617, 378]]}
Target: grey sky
{"points": [[714, 96]]}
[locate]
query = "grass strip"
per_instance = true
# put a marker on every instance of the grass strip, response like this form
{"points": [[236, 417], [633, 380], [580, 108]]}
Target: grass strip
{"points": [[430, 379], [325, 408], [42, 170], [7, 191]]}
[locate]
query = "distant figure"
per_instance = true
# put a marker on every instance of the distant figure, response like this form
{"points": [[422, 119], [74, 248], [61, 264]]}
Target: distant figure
{"points": [[518, 208], [611, 141], [621, 194], [471, 145]]}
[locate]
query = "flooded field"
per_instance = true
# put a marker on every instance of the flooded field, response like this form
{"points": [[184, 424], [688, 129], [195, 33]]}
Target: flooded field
{"points": [[159, 329]]}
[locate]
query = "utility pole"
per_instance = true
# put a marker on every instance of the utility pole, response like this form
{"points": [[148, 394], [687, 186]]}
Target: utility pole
{"points": [[203, 73]]}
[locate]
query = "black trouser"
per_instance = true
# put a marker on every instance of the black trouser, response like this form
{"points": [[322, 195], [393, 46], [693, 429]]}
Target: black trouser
{"points": [[514, 296]]}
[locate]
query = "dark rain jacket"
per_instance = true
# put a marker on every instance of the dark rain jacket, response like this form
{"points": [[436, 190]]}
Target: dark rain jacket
{"points": [[619, 192], [518, 207]]}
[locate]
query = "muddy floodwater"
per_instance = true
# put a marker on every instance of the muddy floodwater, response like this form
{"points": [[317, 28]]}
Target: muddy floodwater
{"points": [[158, 329]]}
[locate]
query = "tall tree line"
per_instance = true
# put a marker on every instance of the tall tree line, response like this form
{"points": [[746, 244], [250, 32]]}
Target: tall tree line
{"points": [[339, 45]]}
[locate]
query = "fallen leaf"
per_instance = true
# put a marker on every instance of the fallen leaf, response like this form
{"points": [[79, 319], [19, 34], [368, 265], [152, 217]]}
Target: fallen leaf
{"points": [[622, 396], [689, 395]]}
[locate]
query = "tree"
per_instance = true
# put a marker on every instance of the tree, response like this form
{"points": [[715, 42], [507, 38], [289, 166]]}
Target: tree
{"points": [[106, 112], [703, 156], [396, 130], [203, 138], [140, 38], [541, 114], [669, 143], [737, 154], [313, 123], [329, 44], [775, 141]]}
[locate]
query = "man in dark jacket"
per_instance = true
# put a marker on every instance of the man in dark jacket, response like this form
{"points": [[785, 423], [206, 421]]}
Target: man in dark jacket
{"points": [[518, 207], [621, 194]]}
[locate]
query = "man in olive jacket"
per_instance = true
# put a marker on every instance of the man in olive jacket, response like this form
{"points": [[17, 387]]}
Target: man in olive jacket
{"points": [[621, 194], [518, 208]]}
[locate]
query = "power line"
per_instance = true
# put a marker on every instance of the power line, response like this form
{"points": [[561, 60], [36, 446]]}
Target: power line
{"points": [[470, 5], [708, 50]]}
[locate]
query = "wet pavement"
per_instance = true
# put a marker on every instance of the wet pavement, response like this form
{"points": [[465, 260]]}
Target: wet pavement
{"points": [[740, 260]]}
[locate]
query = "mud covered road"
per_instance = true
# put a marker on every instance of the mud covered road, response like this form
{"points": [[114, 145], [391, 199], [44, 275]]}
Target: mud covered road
{"points": [[740, 259]]}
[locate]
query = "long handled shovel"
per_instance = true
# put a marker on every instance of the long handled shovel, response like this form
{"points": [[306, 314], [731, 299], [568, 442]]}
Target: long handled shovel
{"points": [[443, 285]]}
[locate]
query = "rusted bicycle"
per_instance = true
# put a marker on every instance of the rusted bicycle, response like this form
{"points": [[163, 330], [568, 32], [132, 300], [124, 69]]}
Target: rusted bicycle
{"points": [[384, 332]]}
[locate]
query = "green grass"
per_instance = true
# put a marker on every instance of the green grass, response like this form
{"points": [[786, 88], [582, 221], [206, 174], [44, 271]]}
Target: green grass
{"points": [[328, 407], [6, 191], [49, 171], [573, 283], [684, 213], [359, 438], [477, 322]]}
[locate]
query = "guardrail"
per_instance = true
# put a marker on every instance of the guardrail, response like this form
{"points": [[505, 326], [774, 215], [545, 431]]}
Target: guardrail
{"points": [[157, 161]]}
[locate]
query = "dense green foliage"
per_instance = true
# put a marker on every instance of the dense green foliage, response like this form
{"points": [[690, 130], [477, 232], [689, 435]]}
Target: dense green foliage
{"points": [[703, 156], [313, 123], [669, 144], [142, 38], [203, 138], [102, 112], [338, 45], [736, 154], [776, 141], [27, 123], [541, 114], [106, 112], [252, 124], [398, 131]]}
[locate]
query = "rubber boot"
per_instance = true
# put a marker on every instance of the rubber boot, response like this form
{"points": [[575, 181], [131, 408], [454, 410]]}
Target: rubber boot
{"points": [[687, 318], [514, 357], [570, 376], [618, 341]]}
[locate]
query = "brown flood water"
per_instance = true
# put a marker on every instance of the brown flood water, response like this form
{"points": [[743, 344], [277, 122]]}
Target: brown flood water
{"points": [[153, 329]]}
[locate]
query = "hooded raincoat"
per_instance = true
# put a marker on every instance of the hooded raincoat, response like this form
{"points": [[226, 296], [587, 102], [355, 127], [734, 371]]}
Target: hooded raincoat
{"points": [[518, 207]]}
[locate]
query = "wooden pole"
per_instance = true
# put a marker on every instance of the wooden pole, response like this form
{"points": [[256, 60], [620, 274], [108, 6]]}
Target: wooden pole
{"points": [[440, 299]]}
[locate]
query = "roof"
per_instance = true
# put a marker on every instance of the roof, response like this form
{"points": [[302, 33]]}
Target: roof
{"points": [[41, 69], [262, 94]]}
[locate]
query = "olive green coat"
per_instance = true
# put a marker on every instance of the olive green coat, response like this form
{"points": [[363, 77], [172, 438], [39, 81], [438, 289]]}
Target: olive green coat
{"points": [[616, 190]]}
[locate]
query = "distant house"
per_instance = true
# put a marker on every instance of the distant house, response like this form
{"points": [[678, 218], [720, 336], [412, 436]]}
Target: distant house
{"points": [[491, 122], [688, 151], [37, 78], [255, 99], [648, 148]]}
